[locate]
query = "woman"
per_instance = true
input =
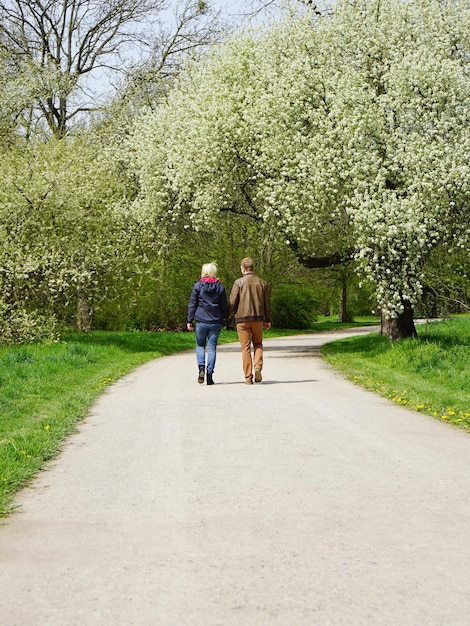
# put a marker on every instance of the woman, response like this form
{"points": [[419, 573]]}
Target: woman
{"points": [[208, 308]]}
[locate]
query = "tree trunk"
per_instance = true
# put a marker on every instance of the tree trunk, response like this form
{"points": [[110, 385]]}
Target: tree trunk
{"points": [[84, 313], [343, 315], [399, 327]]}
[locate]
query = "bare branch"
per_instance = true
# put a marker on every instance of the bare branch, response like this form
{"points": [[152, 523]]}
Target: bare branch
{"points": [[57, 42]]}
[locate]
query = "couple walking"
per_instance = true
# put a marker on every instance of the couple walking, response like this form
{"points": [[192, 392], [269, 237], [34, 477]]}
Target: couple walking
{"points": [[249, 302]]}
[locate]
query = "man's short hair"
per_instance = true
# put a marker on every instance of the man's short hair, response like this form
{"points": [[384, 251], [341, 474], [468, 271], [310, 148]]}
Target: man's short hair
{"points": [[247, 264]]}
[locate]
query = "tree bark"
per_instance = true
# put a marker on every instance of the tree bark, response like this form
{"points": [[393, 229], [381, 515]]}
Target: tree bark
{"points": [[343, 315], [84, 313], [400, 327]]}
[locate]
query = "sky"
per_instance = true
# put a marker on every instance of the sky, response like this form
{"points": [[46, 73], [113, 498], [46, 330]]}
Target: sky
{"points": [[232, 7], [237, 10]]}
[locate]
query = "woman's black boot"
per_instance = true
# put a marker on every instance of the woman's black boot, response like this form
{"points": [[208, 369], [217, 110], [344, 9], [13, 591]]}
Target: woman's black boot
{"points": [[209, 379], [200, 378]]}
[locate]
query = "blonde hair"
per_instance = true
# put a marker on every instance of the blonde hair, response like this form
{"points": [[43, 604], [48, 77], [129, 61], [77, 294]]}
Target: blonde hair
{"points": [[247, 264], [209, 269]]}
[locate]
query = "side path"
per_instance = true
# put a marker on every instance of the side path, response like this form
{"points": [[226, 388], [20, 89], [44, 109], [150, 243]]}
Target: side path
{"points": [[300, 501]]}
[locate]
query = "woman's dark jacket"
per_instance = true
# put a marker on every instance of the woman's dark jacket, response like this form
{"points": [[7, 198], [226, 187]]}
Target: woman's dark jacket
{"points": [[208, 302]]}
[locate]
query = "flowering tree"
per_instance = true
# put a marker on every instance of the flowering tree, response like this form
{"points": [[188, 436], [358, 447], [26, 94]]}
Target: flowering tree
{"points": [[347, 134], [65, 240]]}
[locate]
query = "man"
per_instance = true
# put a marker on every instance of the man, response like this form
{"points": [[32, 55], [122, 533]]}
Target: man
{"points": [[249, 301]]}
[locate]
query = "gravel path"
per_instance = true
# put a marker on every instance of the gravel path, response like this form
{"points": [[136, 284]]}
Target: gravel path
{"points": [[302, 500]]}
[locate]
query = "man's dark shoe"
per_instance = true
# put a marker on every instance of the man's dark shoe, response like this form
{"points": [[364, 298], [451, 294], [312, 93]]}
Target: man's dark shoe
{"points": [[210, 380], [258, 377], [200, 378]]}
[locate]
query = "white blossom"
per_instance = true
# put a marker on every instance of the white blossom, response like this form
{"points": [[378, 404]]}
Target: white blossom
{"points": [[352, 134]]}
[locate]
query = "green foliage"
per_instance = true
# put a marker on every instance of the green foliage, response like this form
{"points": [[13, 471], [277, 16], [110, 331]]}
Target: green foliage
{"points": [[67, 242], [446, 284], [21, 326], [159, 299], [429, 374], [293, 306]]}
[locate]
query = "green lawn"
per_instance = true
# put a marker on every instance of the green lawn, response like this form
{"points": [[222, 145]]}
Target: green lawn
{"points": [[430, 374]]}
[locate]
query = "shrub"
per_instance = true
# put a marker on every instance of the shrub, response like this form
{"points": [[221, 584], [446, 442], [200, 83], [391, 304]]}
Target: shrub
{"points": [[293, 306], [20, 326]]}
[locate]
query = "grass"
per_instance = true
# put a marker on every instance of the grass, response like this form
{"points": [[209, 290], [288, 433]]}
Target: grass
{"points": [[326, 323], [430, 374]]}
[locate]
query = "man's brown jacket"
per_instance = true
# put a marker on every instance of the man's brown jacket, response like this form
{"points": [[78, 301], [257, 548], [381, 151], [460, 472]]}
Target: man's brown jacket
{"points": [[249, 299]]}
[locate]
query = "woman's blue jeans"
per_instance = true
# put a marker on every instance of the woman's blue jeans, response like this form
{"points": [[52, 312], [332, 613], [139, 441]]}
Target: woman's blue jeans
{"points": [[207, 334]]}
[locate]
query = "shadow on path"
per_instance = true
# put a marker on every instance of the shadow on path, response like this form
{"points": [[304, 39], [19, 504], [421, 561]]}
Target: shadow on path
{"points": [[268, 382]]}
